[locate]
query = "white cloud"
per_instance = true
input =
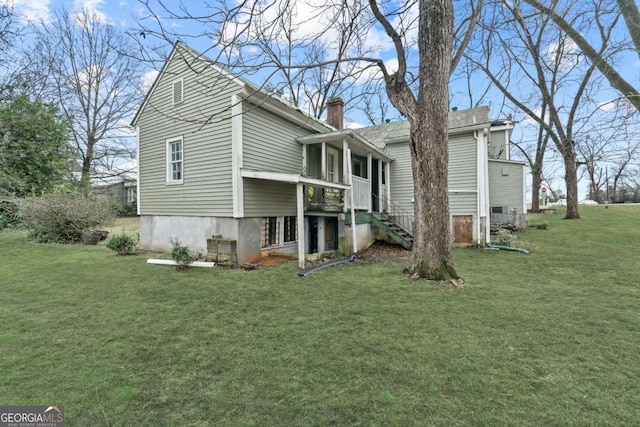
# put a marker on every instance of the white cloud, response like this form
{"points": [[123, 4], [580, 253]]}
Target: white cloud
{"points": [[93, 8], [566, 53], [30, 10], [147, 79]]}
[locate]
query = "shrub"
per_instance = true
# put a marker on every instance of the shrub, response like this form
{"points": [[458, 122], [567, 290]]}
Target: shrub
{"points": [[182, 255], [128, 209], [64, 217], [122, 243], [504, 238], [542, 225], [9, 215]]}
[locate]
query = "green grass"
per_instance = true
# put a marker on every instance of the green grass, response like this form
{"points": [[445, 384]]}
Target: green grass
{"points": [[550, 338]]}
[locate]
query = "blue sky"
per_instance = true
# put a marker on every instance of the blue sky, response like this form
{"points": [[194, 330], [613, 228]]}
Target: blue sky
{"points": [[124, 13]]}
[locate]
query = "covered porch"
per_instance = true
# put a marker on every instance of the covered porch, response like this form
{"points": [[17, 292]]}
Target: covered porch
{"points": [[344, 157]]}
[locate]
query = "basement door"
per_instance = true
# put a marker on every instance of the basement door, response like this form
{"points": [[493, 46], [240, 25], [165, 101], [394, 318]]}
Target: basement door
{"points": [[463, 230]]}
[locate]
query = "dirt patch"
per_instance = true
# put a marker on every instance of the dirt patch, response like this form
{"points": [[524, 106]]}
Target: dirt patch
{"points": [[271, 260], [381, 251]]}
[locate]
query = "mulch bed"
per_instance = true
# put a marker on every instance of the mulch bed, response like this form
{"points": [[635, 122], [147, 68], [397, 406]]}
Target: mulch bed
{"points": [[383, 251]]}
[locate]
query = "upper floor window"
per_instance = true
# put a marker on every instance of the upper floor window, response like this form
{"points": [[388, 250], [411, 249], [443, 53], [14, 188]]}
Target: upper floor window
{"points": [[174, 160], [178, 91]]}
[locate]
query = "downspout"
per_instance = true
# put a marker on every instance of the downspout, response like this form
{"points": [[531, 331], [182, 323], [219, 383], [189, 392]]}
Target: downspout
{"points": [[138, 170], [483, 187]]}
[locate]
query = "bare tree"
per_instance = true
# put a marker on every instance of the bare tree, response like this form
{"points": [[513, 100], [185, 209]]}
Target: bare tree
{"points": [[525, 47], [421, 35], [602, 60], [89, 70]]}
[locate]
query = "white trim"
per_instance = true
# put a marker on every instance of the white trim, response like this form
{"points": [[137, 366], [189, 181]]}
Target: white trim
{"points": [[342, 135], [138, 170], [336, 164], [236, 157], [292, 179], [300, 223], [354, 234], [370, 178], [168, 161]]}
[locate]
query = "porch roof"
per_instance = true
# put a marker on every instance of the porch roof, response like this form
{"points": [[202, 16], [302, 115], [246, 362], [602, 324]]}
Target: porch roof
{"points": [[355, 140], [292, 179]]}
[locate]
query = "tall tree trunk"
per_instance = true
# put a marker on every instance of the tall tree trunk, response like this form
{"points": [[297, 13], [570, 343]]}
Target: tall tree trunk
{"points": [[536, 183], [571, 180], [431, 257]]}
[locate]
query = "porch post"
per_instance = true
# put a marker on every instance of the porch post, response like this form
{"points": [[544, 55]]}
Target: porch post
{"points": [[323, 161], [346, 160], [387, 169], [304, 159], [370, 178], [380, 187], [354, 240], [300, 223]]}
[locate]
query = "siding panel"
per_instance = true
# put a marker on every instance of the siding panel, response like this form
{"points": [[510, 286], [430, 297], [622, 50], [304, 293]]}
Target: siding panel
{"points": [[203, 120], [463, 169], [506, 190], [269, 198]]}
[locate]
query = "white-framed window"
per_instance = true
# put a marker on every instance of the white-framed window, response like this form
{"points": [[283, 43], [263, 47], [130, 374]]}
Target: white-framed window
{"points": [[175, 160], [177, 93]]}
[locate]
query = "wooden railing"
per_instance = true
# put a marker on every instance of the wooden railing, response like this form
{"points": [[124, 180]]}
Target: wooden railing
{"points": [[361, 193]]}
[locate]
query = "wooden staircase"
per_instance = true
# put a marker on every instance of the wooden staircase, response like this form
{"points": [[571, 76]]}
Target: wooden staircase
{"points": [[393, 230]]}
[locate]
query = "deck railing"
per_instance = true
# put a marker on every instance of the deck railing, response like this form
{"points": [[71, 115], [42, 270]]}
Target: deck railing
{"points": [[361, 193], [400, 216]]}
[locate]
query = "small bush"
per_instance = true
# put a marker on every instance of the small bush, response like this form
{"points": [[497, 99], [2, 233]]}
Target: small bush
{"points": [[542, 225], [128, 209], [503, 238], [64, 217], [182, 255], [122, 243]]}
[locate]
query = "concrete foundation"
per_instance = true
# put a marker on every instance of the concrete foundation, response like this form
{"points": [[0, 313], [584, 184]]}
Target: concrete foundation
{"points": [[236, 241]]}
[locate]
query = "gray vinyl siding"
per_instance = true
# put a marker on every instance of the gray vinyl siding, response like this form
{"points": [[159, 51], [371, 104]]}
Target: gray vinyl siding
{"points": [[269, 145], [497, 145], [506, 190], [401, 175], [462, 175], [269, 142], [269, 198], [206, 189]]}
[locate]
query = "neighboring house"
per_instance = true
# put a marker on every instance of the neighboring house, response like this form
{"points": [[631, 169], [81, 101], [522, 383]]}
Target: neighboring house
{"points": [[123, 190], [221, 159]]}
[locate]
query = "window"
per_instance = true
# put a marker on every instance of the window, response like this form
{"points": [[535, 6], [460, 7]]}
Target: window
{"points": [[359, 166], [290, 229], [270, 231], [131, 194], [178, 91], [174, 160]]}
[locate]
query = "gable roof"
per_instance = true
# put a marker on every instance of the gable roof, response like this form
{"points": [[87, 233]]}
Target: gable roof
{"points": [[458, 122], [248, 91]]}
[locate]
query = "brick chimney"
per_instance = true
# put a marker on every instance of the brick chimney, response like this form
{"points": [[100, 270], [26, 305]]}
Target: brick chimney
{"points": [[335, 112]]}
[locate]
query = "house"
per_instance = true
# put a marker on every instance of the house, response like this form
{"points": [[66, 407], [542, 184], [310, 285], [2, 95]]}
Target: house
{"points": [[222, 162], [121, 189]]}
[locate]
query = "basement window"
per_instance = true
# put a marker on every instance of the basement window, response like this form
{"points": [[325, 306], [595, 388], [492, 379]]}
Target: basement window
{"points": [[270, 231]]}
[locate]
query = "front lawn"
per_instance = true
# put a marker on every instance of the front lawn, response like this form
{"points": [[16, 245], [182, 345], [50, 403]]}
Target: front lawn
{"points": [[549, 338]]}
